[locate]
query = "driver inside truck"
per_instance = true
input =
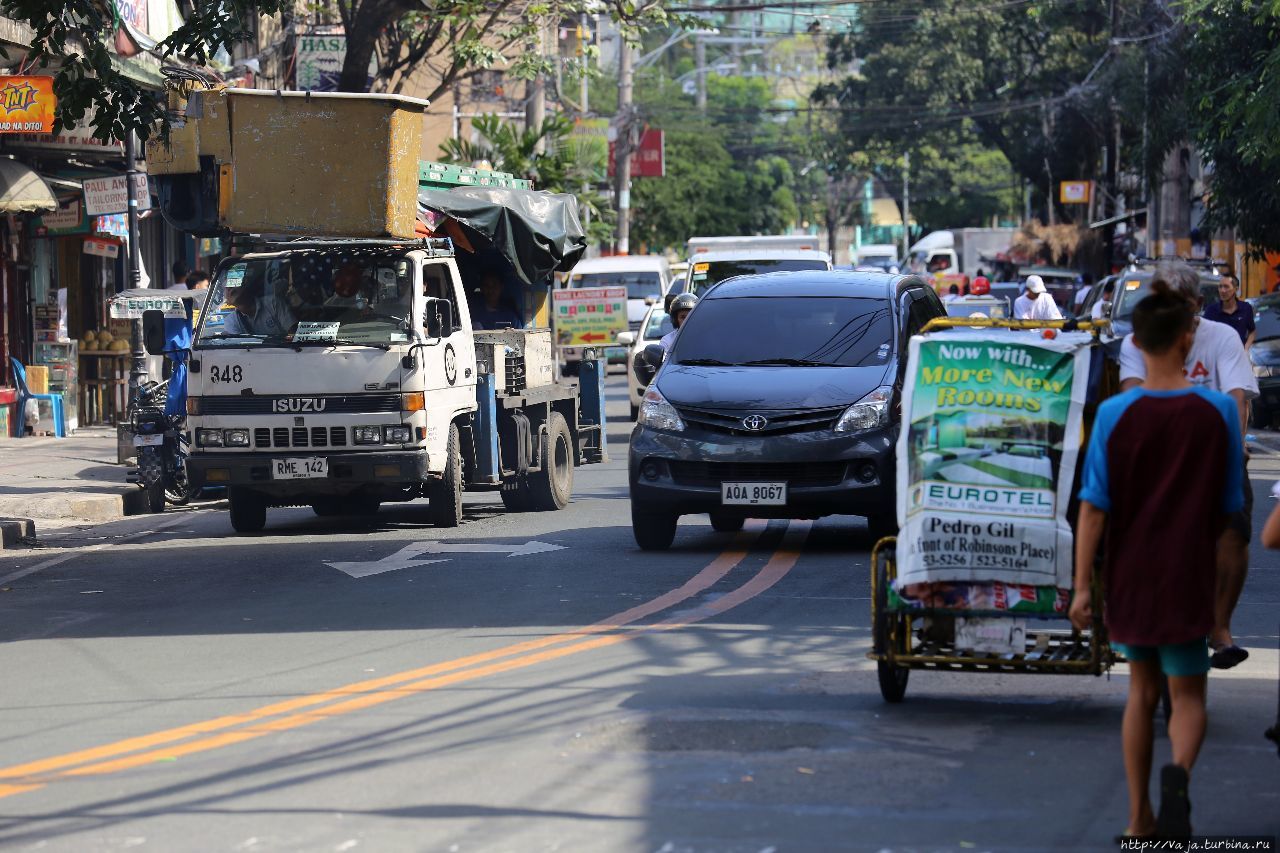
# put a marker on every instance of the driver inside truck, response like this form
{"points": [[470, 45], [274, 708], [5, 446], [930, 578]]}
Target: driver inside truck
{"points": [[259, 307], [494, 309]]}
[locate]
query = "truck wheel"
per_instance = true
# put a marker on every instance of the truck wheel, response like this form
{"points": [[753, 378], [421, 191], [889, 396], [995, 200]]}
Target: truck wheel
{"points": [[248, 511], [654, 531], [445, 494], [722, 523], [552, 487], [328, 507], [151, 475]]}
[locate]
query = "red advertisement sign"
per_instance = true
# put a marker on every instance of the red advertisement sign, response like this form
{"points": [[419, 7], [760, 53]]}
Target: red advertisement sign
{"points": [[650, 159], [26, 104]]}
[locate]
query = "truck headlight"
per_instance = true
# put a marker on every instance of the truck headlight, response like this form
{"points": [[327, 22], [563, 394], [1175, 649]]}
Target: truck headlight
{"points": [[656, 412], [209, 437], [399, 434], [868, 413], [235, 437], [368, 434]]}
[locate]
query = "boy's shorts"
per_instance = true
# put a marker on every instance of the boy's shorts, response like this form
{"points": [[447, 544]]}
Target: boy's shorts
{"points": [[1176, 659]]}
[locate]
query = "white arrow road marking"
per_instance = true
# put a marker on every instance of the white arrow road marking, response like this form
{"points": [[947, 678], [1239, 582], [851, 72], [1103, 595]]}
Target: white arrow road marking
{"points": [[411, 555]]}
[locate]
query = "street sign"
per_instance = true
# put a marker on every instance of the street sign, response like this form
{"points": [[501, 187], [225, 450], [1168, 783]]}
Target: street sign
{"points": [[26, 104], [411, 555], [649, 160], [589, 316], [1074, 192], [102, 248], [111, 195]]}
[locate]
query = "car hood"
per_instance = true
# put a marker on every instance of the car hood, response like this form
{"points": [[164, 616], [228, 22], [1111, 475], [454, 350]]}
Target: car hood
{"points": [[770, 387]]}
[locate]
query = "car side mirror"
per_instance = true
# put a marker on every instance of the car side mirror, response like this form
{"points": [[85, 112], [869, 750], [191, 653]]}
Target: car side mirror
{"points": [[654, 355], [153, 331], [438, 318], [626, 339]]}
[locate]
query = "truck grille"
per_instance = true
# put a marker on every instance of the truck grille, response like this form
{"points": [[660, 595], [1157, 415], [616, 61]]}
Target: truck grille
{"points": [[350, 404], [318, 436], [712, 474]]}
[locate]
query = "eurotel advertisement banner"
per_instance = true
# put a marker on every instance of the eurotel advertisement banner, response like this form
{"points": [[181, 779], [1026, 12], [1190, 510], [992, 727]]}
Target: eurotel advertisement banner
{"points": [[986, 462]]}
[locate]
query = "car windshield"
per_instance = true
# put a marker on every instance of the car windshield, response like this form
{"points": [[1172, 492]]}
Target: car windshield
{"points": [[659, 324], [639, 284], [1267, 316], [1132, 289], [308, 298], [790, 331], [707, 273]]}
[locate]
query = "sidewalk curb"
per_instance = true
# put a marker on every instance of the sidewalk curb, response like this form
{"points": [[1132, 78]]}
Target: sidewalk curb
{"points": [[14, 530], [95, 508]]}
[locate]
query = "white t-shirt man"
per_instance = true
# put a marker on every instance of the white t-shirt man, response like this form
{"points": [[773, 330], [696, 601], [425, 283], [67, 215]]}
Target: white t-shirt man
{"points": [[1022, 307], [1217, 360], [1044, 308]]}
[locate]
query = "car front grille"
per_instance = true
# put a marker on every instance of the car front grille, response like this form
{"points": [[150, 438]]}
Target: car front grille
{"points": [[796, 474], [291, 437], [780, 422]]}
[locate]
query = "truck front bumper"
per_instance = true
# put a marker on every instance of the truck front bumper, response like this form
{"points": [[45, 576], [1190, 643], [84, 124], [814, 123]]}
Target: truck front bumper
{"points": [[348, 472]]}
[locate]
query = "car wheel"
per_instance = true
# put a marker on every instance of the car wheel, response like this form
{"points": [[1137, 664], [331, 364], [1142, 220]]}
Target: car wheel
{"points": [[445, 494], [654, 531], [723, 523], [248, 511], [635, 411], [552, 487]]}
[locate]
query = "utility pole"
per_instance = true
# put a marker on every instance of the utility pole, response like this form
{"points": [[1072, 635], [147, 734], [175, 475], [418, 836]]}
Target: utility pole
{"points": [[622, 149], [906, 204], [700, 57], [584, 35], [138, 371], [535, 108]]}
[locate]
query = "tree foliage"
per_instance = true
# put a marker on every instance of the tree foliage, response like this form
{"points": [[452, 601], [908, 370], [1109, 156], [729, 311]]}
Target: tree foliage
{"points": [[1233, 93], [73, 37]]}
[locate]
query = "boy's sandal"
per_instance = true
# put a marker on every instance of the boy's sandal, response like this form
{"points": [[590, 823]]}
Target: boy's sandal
{"points": [[1173, 820], [1227, 656]]}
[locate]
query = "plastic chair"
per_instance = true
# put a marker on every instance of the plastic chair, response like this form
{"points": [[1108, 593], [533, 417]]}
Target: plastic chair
{"points": [[24, 394]]}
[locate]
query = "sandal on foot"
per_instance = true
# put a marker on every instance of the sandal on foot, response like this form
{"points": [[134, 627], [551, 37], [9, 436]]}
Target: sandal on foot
{"points": [[1174, 818], [1225, 657]]}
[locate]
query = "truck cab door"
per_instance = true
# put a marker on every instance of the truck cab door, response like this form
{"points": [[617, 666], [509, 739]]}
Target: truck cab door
{"points": [[448, 362]]}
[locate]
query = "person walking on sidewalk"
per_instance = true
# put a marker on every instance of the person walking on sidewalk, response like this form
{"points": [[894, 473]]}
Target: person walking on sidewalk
{"points": [[1162, 472], [1230, 310], [1217, 361]]}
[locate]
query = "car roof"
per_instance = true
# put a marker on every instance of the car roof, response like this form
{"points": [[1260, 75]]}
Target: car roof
{"points": [[616, 263], [809, 283], [764, 253]]}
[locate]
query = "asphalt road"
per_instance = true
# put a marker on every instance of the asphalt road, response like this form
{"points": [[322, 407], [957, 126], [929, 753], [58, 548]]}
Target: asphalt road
{"points": [[534, 682]]}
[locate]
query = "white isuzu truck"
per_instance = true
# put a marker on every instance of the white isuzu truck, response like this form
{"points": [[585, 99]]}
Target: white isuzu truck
{"points": [[342, 372]]}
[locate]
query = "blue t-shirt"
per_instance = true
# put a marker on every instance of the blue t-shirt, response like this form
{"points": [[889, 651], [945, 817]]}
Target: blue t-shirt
{"points": [[1240, 319], [1166, 467]]}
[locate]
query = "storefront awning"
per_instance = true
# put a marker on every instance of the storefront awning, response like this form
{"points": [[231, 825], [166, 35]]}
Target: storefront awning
{"points": [[22, 190]]}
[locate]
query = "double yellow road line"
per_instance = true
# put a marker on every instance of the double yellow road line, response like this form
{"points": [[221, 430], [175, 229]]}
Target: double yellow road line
{"points": [[305, 710]]}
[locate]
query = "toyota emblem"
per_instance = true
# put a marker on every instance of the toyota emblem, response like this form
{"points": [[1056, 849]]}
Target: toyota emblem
{"points": [[755, 423]]}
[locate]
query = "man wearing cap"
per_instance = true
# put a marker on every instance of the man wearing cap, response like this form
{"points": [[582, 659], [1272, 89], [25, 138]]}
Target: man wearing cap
{"points": [[1035, 303]]}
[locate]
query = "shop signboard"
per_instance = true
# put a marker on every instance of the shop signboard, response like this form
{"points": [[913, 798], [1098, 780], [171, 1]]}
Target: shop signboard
{"points": [[590, 316], [68, 219], [1074, 192], [135, 12], [649, 160], [112, 225], [26, 104], [78, 139], [319, 59], [987, 461], [102, 248], [111, 194]]}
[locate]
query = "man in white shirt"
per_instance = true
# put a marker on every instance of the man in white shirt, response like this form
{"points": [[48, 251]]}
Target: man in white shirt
{"points": [[1102, 307], [1036, 303], [179, 270], [1217, 361]]}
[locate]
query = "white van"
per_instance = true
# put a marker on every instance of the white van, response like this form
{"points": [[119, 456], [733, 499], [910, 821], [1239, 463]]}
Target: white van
{"points": [[647, 279], [799, 242]]}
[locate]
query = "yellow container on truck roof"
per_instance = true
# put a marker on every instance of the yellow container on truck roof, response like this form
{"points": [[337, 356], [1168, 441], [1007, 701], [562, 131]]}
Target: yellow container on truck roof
{"points": [[302, 162]]}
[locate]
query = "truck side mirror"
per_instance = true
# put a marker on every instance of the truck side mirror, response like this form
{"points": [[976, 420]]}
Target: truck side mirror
{"points": [[438, 318], [654, 355], [153, 331]]}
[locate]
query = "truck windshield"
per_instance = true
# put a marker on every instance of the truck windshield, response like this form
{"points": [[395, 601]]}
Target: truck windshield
{"points": [[791, 331], [310, 298], [639, 284]]}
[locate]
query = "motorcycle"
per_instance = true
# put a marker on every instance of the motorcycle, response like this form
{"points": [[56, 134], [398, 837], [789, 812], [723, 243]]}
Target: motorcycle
{"points": [[162, 447]]}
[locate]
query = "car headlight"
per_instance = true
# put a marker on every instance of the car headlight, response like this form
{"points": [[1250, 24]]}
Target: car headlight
{"points": [[868, 413], [235, 437], [368, 435], [209, 437], [1263, 371], [656, 412], [399, 434]]}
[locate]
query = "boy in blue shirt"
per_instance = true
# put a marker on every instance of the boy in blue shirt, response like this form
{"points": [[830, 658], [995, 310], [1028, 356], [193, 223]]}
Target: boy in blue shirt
{"points": [[1162, 472]]}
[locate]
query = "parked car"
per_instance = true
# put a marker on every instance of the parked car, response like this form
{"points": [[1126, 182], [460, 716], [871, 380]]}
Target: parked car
{"points": [[1134, 285], [656, 324], [780, 399], [1265, 355], [712, 267], [646, 278]]}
